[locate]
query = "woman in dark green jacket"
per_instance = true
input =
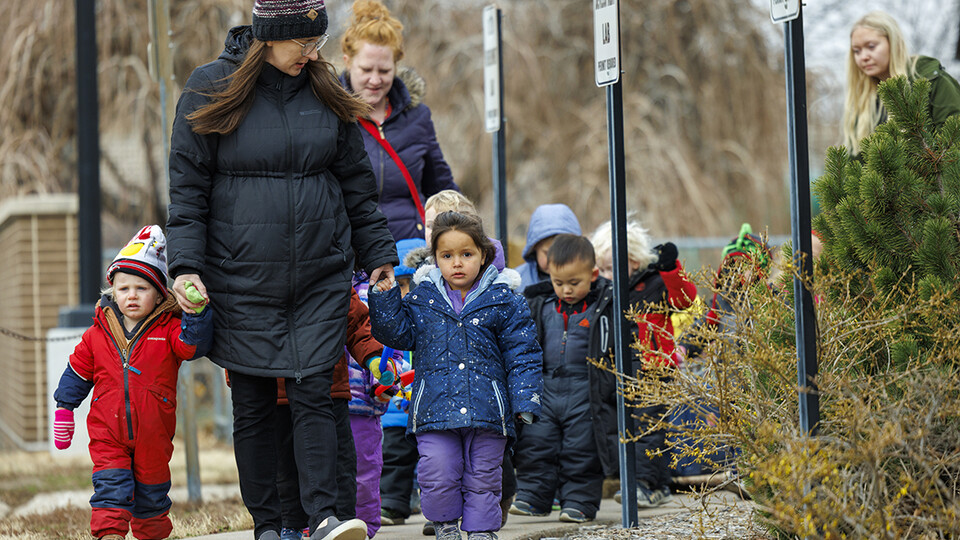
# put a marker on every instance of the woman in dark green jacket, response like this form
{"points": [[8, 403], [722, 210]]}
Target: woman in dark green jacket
{"points": [[878, 52]]}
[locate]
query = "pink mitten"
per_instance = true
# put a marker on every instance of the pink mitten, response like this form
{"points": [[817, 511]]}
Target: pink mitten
{"points": [[62, 428]]}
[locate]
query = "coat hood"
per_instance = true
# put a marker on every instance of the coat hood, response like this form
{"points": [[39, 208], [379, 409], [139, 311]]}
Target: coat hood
{"points": [[507, 276], [546, 221], [237, 42]]}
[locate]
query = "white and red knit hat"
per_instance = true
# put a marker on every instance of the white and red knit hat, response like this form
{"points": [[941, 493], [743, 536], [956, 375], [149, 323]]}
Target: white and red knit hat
{"points": [[145, 256], [279, 20]]}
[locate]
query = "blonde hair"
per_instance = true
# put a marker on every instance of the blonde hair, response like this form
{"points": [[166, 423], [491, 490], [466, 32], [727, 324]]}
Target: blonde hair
{"points": [[861, 112], [451, 200], [638, 243], [371, 22]]}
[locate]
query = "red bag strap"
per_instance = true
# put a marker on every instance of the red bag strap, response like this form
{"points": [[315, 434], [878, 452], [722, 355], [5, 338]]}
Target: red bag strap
{"points": [[375, 132]]}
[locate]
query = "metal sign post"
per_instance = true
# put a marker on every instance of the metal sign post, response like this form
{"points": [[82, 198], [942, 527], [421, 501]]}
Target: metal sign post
{"points": [[800, 218], [160, 56], [88, 154], [493, 114], [606, 18]]}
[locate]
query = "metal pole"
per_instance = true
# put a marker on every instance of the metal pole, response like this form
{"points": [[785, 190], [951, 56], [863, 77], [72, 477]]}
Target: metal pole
{"points": [[621, 335], [162, 60], [188, 421], [500, 150], [88, 153], [800, 225]]}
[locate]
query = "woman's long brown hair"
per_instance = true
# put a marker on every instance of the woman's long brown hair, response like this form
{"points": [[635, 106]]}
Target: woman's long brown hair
{"points": [[230, 106]]}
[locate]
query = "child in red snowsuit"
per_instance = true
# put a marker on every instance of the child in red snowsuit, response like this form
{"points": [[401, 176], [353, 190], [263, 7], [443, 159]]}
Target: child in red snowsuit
{"points": [[130, 358]]}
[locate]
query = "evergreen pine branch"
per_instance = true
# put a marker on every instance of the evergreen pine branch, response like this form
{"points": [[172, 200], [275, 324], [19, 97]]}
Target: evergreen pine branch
{"points": [[829, 187], [939, 251]]}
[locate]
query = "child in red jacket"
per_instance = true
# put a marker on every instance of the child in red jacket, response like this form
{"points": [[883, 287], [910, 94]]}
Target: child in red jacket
{"points": [[657, 285], [130, 358]]}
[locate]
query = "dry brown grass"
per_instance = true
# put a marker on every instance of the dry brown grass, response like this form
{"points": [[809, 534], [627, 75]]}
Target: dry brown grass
{"points": [[74, 523], [25, 474], [703, 102]]}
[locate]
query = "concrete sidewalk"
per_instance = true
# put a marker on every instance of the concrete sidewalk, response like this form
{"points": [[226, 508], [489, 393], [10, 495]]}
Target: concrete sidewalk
{"points": [[527, 528]]}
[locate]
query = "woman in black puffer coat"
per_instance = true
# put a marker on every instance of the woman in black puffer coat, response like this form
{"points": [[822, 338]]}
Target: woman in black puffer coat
{"points": [[271, 197]]}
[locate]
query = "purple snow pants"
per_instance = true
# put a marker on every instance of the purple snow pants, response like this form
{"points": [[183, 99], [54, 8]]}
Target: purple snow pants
{"points": [[368, 438], [459, 475]]}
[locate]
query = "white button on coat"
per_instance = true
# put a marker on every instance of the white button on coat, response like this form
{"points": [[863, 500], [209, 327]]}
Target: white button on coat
{"points": [[461, 366], [463, 410]]}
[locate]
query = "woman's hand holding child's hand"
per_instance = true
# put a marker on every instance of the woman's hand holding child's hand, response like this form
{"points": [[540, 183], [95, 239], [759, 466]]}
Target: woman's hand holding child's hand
{"points": [[382, 279]]}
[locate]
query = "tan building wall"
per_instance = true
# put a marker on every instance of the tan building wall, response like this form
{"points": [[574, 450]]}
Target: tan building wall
{"points": [[38, 276]]}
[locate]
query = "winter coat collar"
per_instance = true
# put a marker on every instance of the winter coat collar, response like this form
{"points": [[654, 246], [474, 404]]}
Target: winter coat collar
{"points": [[273, 80], [108, 313], [490, 277]]}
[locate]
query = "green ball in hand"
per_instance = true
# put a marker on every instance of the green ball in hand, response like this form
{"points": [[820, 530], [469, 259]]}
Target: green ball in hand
{"points": [[194, 296]]}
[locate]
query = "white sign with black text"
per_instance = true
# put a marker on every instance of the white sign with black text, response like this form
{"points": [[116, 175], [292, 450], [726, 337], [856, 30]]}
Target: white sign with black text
{"points": [[491, 69], [784, 10], [606, 41]]}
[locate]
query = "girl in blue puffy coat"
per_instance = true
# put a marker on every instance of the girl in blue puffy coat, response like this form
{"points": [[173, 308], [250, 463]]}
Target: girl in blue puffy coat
{"points": [[478, 369]]}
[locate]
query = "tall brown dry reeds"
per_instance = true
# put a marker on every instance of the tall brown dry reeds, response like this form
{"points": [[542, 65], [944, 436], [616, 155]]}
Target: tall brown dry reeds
{"points": [[703, 105], [703, 110]]}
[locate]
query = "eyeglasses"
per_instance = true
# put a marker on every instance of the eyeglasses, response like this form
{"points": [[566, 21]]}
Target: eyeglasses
{"points": [[311, 46]]}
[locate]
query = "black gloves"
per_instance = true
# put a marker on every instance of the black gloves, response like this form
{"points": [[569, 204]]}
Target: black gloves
{"points": [[666, 257]]}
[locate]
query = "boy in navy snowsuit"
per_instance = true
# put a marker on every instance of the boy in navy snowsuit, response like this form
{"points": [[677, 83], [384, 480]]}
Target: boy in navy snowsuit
{"points": [[573, 444]]}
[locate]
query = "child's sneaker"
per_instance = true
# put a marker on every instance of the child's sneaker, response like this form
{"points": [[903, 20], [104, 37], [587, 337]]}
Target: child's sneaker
{"points": [[429, 529], [651, 498], [269, 535], [572, 515], [447, 530], [334, 529], [523, 508], [287, 533], [389, 516], [484, 535]]}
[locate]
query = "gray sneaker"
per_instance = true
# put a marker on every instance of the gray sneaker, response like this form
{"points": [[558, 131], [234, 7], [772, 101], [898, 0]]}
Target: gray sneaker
{"points": [[334, 529], [269, 535], [483, 535], [652, 498], [447, 530]]}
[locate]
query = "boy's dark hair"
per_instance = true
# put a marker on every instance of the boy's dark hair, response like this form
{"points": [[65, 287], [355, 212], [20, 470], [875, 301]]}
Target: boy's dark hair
{"points": [[567, 248], [468, 225]]}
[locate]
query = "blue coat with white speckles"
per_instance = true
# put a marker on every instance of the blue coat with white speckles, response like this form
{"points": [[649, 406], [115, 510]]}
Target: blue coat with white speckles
{"points": [[476, 369]]}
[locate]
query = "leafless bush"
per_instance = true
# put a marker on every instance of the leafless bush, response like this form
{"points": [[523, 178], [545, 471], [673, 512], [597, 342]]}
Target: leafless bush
{"points": [[886, 461]]}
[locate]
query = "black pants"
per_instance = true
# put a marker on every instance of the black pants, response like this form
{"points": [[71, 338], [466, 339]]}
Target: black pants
{"points": [[399, 462], [558, 453], [509, 481], [288, 482], [255, 446]]}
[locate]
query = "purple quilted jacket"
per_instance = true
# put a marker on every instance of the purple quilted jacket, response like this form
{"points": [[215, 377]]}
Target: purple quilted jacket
{"points": [[410, 131]]}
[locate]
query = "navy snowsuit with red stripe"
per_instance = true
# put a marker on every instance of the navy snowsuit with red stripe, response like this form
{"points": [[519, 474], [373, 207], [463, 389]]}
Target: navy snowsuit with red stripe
{"points": [[133, 414]]}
